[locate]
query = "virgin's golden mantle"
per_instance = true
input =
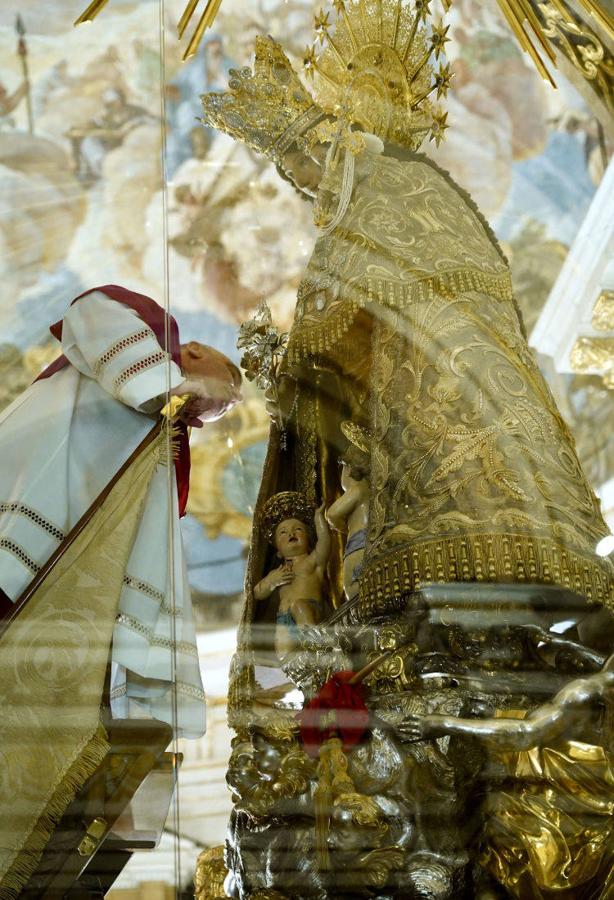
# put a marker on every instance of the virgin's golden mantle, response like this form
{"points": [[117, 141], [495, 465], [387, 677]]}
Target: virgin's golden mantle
{"points": [[474, 475]]}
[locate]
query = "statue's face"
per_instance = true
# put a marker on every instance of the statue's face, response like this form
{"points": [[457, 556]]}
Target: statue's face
{"points": [[291, 538], [305, 171]]}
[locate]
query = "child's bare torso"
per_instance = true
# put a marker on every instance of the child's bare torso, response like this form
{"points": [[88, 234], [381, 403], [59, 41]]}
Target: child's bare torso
{"points": [[306, 585], [358, 518]]}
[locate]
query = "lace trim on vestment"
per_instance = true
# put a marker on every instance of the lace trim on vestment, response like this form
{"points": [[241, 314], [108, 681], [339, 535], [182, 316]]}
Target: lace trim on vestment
{"points": [[141, 365], [119, 346], [154, 639], [308, 338], [517, 558], [34, 517], [188, 690], [143, 587], [20, 553]]}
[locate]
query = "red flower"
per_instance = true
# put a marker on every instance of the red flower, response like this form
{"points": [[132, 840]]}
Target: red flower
{"points": [[339, 710]]}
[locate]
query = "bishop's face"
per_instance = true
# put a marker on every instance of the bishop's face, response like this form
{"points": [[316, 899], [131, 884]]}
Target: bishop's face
{"points": [[219, 378], [291, 538]]}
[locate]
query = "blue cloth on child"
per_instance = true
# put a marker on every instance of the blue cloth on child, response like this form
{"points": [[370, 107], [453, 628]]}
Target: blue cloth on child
{"points": [[356, 541], [287, 619]]}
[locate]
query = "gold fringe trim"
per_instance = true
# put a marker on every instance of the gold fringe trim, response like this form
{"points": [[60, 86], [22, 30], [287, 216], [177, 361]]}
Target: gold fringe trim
{"points": [[168, 443], [514, 558], [323, 804], [323, 336], [80, 770]]}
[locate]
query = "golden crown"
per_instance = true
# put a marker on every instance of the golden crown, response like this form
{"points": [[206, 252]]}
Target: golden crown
{"points": [[285, 505], [357, 435], [267, 109], [376, 63]]}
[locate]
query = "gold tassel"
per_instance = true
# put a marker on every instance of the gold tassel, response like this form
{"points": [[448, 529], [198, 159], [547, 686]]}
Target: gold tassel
{"points": [[335, 787], [323, 804]]}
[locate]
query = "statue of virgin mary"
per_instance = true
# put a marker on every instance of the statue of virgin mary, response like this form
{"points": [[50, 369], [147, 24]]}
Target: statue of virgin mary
{"points": [[406, 323], [405, 332]]}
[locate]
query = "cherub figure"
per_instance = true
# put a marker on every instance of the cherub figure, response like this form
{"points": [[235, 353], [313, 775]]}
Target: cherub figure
{"points": [[350, 512], [289, 521]]}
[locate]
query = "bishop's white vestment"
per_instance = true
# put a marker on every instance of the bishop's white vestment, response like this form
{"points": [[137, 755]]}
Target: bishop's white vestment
{"points": [[61, 442]]}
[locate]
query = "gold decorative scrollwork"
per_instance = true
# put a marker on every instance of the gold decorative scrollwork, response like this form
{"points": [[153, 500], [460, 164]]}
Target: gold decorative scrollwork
{"points": [[603, 311], [390, 674], [210, 875], [594, 353], [263, 770], [582, 48]]}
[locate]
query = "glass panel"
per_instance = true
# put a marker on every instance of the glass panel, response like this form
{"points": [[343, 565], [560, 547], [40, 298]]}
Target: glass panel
{"points": [[384, 676]]}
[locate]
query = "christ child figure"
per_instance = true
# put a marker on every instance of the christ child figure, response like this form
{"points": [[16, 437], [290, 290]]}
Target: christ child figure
{"points": [[289, 521], [350, 513]]}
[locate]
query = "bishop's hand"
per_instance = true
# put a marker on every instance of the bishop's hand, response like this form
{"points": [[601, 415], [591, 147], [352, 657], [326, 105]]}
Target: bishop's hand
{"points": [[208, 399]]}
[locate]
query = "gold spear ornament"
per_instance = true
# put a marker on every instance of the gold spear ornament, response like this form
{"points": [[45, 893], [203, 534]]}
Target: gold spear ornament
{"points": [[22, 51]]}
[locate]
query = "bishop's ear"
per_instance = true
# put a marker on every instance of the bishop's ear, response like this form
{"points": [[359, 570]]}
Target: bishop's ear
{"points": [[195, 350]]}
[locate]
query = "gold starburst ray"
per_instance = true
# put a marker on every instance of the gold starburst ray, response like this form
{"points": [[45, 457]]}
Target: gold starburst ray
{"points": [[441, 85], [510, 11], [600, 14], [380, 20], [340, 8], [325, 75], [418, 100], [395, 27], [410, 37], [333, 46], [423, 61], [206, 20], [364, 21], [535, 24], [186, 16], [89, 14]]}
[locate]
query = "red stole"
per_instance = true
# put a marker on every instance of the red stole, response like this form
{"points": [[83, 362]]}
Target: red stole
{"points": [[158, 320]]}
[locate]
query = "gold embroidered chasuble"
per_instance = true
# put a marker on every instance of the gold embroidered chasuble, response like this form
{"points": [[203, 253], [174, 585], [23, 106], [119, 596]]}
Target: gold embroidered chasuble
{"points": [[408, 304], [54, 659]]}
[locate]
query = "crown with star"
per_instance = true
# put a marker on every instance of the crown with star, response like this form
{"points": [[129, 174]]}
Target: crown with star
{"points": [[268, 109], [376, 60]]}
